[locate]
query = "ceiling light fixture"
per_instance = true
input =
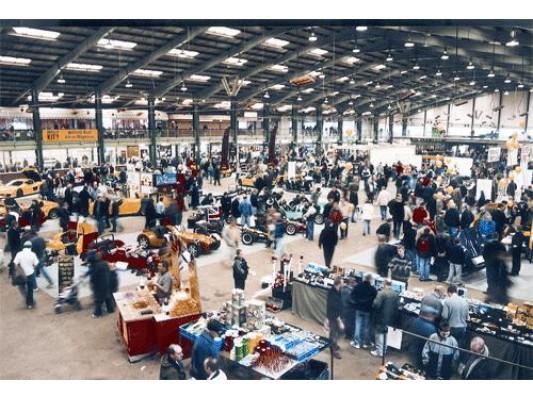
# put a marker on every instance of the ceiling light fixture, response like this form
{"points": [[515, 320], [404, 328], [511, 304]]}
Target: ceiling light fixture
{"points": [[456, 78], [506, 93], [356, 49], [35, 33], [371, 105], [266, 95], [389, 107], [352, 81], [507, 79], [513, 42], [409, 44], [416, 67], [326, 101], [299, 98], [470, 66], [350, 103], [472, 83], [361, 28], [496, 90], [183, 53], [313, 37], [491, 74], [128, 84], [183, 87], [389, 58], [61, 79], [520, 85], [276, 43], [223, 31], [444, 55], [438, 73]]}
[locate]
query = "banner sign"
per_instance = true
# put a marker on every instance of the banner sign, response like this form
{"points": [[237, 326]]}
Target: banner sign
{"points": [[272, 146], [70, 135], [494, 154], [65, 271], [164, 179], [512, 157]]}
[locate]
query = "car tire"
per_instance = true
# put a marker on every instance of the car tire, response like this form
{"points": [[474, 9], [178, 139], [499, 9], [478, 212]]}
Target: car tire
{"points": [[247, 238], [216, 245], [290, 229], [319, 219], [20, 193], [194, 249], [143, 241], [201, 231], [53, 213]]}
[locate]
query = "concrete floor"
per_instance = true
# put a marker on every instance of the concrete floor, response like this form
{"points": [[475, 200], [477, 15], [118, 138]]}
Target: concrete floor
{"points": [[73, 345]]}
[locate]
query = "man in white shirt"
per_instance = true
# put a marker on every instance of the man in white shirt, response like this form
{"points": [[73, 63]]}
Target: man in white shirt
{"points": [[383, 199], [212, 368], [27, 260]]}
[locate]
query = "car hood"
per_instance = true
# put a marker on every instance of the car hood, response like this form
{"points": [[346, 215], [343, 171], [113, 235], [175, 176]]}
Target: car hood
{"points": [[32, 174]]}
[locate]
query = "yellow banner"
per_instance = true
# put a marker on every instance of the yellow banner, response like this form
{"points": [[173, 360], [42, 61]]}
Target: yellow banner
{"points": [[70, 135]]}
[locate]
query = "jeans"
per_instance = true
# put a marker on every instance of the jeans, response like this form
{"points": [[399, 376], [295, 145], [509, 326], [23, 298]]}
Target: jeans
{"points": [[362, 328], [344, 232], [109, 303], [455, 272], [27, 289], [42, 269], [328, 255], [101, 225], [354, 215], [245, 220], [411, 256], [178, 218], [310, 229], [423, 267], [383, 211], [334, 333], [114, 223], [397, 226], [366, 227], [380, 343]]}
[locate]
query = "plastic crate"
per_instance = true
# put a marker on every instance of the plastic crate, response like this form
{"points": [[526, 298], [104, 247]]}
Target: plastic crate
{"points": [[274, 305]]}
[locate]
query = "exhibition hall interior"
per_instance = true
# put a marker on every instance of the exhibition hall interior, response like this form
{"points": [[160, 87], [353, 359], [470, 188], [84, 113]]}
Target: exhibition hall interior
{"points": [[252, 199]]}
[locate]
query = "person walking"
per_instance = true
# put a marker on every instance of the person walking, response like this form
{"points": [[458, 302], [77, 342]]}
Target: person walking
{"points": [[28, 261], [384, 197], [385, 307], [245, 209], [425, 249], [367, 213], [333, 315], [363, 296], [310, 216], [457, 261], [328, 241], [99, 273], [64, 216], [240, 270], [230, 234], [115, 211]]}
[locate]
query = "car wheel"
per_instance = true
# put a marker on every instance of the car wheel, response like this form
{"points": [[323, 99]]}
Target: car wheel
{"points": [[290, 229], [143, 241], [194, 249], [247, 238], [19, 193], [319, 219], [53, 213]]}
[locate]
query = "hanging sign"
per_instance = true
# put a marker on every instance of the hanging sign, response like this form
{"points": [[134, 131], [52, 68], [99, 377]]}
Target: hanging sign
{"points": [[494, 154], [70, 135], [65, 271], [512, 157]]}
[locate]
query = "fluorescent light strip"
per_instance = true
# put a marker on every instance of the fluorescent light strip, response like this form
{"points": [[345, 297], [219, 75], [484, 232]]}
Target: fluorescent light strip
{"points": [[343, 79], [279, 68], [224, 104], [235, 61], [198, 78], [15, 61], [150, 73], [183, 53], [308, 90], [48, 96], [35, 33], [223, 31], [84, 67], [277, 87], [317, 52], [378, 67], [257, 106], [116, 44], [351, 60], [276, 43]]}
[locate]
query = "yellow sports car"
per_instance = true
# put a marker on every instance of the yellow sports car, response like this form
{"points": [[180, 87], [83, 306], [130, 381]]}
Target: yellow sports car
{"points": [[248, 181], [20, 187], [75, 241], [49, 208]]}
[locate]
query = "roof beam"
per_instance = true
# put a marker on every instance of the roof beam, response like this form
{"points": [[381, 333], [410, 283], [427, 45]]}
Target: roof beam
{"points": [[161, 90], [183, 38], [44, 80]]}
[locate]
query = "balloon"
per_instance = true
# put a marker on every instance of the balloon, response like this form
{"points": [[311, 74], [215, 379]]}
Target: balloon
{"points": [[343, 226], [514, 135], [518, 170]]}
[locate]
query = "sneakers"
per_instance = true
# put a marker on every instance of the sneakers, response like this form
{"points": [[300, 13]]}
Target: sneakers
{"points": [[367, 346], [355, 345], [36, 289], [97, 316], [29, 307], [375, 353]]}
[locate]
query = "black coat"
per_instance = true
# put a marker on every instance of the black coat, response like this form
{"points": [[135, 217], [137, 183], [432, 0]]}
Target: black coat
{"points": [[363, 295], [452, 218], [396, 209], [100, 282], [328, 237], [63, 217], [466, 219], [13, 238]]}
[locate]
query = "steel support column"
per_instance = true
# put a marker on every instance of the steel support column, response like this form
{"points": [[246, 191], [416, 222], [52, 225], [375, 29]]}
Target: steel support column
{"points": [[359, 129], [375, 128], [472, 117], [320, 128], [37, 128], [425, 121], [404, 125], [391, 128], [499, 112], [100, 147], [266, 126], [196, 130], [528, 102], [234, 128], [152, 132], [340, 123], [294, 124]]}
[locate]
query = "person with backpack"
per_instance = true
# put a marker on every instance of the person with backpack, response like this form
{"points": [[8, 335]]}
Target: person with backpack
{"points": [[425, 248]]}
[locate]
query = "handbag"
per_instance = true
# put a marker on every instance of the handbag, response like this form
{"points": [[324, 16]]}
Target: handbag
{"points": [[19, 276]]}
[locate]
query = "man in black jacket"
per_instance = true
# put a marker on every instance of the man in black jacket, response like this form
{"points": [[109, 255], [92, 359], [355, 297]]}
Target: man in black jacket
{"points": [[452, 219], [64, 216], [240, 270], [333, 314], [13, 239], [363, 296], [467, 217], [397, 212], [328, 241], [172, 367]]}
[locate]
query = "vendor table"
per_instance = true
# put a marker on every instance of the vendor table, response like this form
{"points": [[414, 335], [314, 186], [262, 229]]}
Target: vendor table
{"points": [[145, 331], [299, 367], [309, 302]]}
